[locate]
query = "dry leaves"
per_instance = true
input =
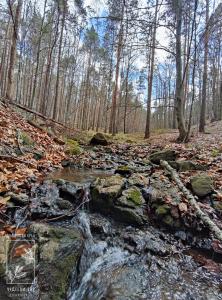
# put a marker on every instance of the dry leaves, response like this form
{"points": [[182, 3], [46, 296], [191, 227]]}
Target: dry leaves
{"points": [[16, 169]]}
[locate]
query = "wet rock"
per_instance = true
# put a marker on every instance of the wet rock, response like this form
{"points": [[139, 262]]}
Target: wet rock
{"points": [[174, 164], [202, 185], [183, 165], [64, 204], [148, 242], [128, 215], [99, 224], [109, 198], [4, 246], [162, 209], [131, 198], [58, 252], [18, 199], [99, 139], [123, 170], [47, 203], [181, 235], [168, 155], [105, 191], [186, 166], [71, 191], [138, 180]]}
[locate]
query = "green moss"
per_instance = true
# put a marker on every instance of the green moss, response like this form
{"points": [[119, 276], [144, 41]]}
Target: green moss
{"points": [[123, 168], [135, 196], [162, 209], [168, 220], [26, 139], [218, 205], [63, 277], [215, 153], [2, 269], [73, 147]]}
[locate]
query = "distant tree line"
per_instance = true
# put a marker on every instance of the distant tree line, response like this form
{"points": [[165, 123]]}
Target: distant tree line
{"points": [[58, 58]]}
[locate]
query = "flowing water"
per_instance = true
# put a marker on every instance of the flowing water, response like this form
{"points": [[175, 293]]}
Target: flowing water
{"points": [[127, 263], [110, 272], [96, 258]]}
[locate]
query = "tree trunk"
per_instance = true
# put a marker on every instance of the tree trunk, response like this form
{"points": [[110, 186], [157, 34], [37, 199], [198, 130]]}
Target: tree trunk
{"points": [[15, 20], [55, 106], [150, 81], [205, 73], [179, 81], [112, 127]]}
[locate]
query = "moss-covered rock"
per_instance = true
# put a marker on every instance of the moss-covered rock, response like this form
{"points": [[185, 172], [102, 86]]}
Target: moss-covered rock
{"points": [[168, 220], [174, 164], [123, 170], [72, 147], [99, 139], [186, 166], [110, 198], [26, 139], [128, 215], [138, 180], [105, 191], [202, 185], [58, 251], [162, 209], [168, 155], [131, 198]]}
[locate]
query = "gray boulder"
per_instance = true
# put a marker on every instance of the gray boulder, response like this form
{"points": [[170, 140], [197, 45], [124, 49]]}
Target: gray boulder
{"points": [[99, 139], [58, 252], [202, 185], [110, 198], [168, 155]]}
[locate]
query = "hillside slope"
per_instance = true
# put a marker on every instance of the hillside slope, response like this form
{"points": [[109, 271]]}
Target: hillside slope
{"points": [[26, 152]]}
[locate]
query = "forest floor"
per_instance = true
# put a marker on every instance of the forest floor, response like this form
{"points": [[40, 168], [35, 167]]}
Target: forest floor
{"points": [[28, 153]]}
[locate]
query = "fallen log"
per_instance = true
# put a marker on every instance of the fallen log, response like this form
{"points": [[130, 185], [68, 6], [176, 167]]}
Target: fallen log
{"points": [[55, 138], [36, 113], [202, 215]]}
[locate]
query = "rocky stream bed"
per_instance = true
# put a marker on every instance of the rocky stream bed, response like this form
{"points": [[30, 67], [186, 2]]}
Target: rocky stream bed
{"points": [[114, 227]]}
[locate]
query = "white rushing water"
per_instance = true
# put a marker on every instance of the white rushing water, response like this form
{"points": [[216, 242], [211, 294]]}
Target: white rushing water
{"points": [[97, 259]]}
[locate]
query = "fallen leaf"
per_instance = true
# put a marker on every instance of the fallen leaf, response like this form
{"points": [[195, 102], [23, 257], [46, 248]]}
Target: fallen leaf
{"points": [[4, 200], [182, 207], [21, 231]]}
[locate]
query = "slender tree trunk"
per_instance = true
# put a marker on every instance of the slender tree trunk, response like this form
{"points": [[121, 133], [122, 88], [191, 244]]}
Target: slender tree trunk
{"points": [[38, 56], [179, 81], [15, 20], [193, 73], [112, 127], [55, 106], [205, 73], [150, 81]]}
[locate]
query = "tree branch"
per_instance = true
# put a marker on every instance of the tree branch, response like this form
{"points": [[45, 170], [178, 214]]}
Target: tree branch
{"points": [[202, 215]]}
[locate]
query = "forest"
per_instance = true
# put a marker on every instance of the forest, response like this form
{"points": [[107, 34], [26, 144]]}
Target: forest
{"points": [[110, 149], [127, 66]]}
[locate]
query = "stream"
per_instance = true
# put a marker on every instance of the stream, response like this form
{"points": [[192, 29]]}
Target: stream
{"points": [[115, 260], [123, 262]]}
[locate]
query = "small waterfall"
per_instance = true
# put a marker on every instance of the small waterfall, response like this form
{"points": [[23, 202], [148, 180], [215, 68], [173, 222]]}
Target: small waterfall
{"points": [[97, 260]]}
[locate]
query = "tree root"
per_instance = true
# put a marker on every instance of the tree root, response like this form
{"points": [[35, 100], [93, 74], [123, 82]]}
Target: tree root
{"points": [[202, 215]]}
